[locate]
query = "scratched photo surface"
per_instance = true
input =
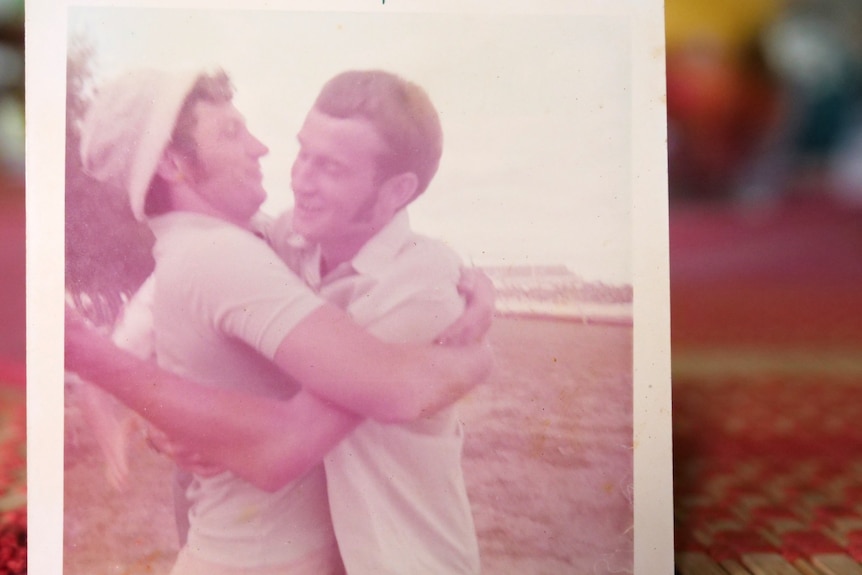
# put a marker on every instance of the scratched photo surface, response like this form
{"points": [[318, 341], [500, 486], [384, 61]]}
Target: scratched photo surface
{"points": [[535, 187]]}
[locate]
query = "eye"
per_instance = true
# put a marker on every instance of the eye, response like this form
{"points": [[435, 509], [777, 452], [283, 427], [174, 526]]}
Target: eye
{"points": [[231, 129], [331, 167]]}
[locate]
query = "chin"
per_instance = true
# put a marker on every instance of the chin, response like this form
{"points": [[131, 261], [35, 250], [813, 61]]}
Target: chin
{"points": [[304, 226], [304, 230]]}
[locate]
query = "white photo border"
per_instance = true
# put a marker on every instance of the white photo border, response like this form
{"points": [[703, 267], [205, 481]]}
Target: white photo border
{"points": [[45, 120]]}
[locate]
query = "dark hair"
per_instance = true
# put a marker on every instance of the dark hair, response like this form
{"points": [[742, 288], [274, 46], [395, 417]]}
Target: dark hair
{"points": [[401, 112], [215, 88]]}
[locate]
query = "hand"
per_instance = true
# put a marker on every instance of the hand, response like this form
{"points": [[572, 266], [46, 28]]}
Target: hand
{"points": [[184, 457], [474, 323]]}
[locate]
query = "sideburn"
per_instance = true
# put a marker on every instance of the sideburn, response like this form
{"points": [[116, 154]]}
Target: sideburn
{"points": [[365, 213]]}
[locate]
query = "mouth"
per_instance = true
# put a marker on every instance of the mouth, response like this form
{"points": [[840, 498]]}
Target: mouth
{"points": [[308, 207]]}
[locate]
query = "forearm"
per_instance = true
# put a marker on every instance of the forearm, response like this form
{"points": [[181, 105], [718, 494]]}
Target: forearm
{"points": [[338, 361], [177, 406], [265, 441], [202, 418], [448, 375], [284, 444], [310, 429]]}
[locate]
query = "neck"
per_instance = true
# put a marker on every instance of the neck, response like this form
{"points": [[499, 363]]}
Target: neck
{"points": [[184, 199], [333, 254], [335, 251]]}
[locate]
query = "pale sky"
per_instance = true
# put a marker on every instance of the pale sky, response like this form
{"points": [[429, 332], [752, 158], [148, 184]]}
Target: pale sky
{"points": [[536, 112]]}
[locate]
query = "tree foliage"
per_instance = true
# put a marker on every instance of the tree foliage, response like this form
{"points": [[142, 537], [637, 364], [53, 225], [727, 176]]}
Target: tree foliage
{"points": [[108, 253]]}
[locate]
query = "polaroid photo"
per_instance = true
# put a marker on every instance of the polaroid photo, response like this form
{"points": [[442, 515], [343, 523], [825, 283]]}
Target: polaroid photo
{"points": [[552, 182]]}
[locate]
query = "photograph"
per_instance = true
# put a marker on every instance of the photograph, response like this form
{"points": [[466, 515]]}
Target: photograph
{"points": [[376, 288]]}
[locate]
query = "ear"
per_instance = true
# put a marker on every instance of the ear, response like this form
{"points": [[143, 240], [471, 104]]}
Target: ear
{"points": [[171, 168], [398, 191]]}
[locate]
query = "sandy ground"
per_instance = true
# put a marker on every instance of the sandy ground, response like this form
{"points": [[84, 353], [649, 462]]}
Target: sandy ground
{"points": [[548, 462]]}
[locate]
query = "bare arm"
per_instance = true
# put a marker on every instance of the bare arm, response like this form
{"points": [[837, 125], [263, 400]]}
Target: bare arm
{"points": [[112, 423], [250, 437], [252, 440], [338, 361], [267, 443], [318, 344], [417, 316]]}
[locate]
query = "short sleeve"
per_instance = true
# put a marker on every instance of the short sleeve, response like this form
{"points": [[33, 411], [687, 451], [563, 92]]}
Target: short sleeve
{"points": [[240, 286], [420, 295]]}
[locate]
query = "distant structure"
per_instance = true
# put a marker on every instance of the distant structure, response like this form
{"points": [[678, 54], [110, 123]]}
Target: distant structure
{"points": [[555, 291]]}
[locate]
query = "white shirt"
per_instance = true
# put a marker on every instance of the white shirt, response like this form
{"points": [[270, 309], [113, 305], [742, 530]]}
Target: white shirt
{"points": [[397, 493], [223, 303]]}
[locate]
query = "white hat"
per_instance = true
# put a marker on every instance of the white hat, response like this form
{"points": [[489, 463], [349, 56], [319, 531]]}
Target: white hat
{"points": [[128, 126]]}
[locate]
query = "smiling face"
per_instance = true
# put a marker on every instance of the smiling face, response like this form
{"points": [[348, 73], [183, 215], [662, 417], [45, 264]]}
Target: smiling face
{"points": [[226, 173], [335, 183]]}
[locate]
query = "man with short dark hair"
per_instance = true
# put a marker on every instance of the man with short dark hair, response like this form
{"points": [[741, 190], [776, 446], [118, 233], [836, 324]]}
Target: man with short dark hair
{"points": [[369, 147]]}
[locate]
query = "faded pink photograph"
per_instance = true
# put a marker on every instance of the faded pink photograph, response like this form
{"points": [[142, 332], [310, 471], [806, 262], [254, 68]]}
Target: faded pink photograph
{"points": [[348, 293]]}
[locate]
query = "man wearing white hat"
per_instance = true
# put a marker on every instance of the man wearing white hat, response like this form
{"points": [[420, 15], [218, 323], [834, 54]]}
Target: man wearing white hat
{"points": [[228, 314]]}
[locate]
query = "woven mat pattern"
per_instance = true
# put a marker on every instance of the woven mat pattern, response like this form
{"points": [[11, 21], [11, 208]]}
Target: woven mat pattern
{"points": [[13, 482], [768, 474]]}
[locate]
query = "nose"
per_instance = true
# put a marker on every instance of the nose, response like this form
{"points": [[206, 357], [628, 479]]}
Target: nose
{"points": [[256, 148], [301, 175]]}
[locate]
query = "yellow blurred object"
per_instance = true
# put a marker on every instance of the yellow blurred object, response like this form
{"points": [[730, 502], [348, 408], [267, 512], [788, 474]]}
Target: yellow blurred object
{"points": [[731, 24]]}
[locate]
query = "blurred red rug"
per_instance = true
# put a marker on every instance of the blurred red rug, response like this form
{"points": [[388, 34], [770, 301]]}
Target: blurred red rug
{"points": [[774, 275], [767, 388], [768, 474], [13, 485], [12, 281], [13, 482]]}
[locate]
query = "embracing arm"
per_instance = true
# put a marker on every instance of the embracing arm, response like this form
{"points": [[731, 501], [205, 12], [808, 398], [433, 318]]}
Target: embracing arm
{"points": [[235, 430], [418, 318], [337, 360], [317, 426], [479, 294], [270, 442], [112, 423], [249, 435]]}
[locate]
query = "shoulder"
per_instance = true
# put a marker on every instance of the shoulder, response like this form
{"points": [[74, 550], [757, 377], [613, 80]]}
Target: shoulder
{"points": [[203, 239], [417, 296], [205, 250], [231, 278], [423, 269], [430, 256]]}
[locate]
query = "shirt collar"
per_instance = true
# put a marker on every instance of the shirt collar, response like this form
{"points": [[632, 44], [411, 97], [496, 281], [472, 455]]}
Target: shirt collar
{"points": [[378, 252], [167, 222], [372, 259]]}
